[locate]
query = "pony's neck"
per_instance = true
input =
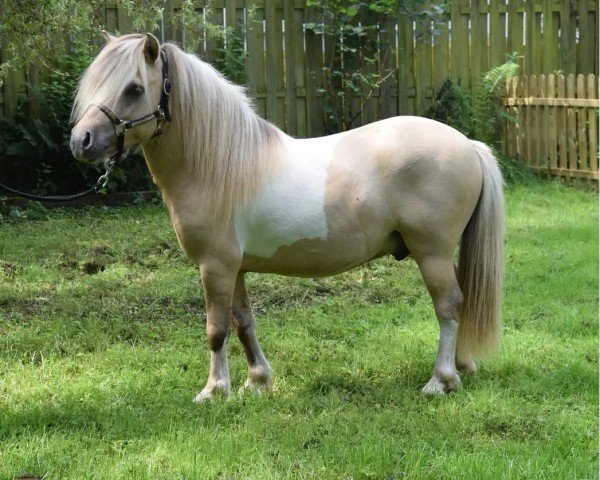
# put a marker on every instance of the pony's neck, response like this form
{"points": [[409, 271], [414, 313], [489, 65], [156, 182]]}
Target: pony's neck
{"points": [[216, 143], [166, 161]]}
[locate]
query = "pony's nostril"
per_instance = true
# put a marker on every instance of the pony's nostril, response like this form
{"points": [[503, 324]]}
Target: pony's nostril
{"points": [[87, 141]]}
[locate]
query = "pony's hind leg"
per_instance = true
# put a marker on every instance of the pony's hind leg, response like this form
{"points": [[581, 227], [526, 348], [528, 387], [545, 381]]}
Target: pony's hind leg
{"points": [[259, 370], [466, 363], [440, 278]]}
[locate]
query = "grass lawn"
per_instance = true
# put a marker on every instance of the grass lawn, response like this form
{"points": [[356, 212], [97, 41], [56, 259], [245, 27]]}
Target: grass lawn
{"points": [[102, 349]]}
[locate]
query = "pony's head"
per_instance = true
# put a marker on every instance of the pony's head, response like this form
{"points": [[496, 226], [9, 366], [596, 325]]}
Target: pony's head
{"points": [[125, 79]]}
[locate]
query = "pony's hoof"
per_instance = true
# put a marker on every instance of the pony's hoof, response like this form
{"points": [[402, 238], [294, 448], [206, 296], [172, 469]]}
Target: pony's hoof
{"points": [[467, 365], [258, 386], [213, 391], [259, 380], [440, 385]]}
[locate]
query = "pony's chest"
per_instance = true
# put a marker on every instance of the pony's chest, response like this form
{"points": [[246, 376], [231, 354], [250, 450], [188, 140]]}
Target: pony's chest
{"points": [[290, 208]]}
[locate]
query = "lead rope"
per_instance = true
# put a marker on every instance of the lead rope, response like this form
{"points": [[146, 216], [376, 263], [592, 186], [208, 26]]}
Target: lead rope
{"points": [[100, 184]]}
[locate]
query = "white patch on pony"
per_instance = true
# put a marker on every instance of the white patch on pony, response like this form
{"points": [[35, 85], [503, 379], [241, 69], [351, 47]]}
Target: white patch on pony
{"points": [[290, 206], [444, 376], [218, 382]]}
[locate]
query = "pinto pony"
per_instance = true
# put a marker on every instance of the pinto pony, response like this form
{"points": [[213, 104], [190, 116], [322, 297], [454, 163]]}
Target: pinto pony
{"points": [[245, 197]]}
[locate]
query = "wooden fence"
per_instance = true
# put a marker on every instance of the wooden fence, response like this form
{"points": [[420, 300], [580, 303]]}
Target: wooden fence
{"points": [[556, 124], [284, 59]]}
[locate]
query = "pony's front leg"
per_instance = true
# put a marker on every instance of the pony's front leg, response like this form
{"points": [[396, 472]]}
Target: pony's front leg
{"points": [[259, 370], [218, 282]]}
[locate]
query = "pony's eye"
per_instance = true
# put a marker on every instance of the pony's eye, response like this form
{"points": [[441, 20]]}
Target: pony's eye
{"points": [[133, 90]]}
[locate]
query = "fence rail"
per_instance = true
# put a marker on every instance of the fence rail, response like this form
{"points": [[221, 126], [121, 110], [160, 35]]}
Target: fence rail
{"points": [[556, 124]]}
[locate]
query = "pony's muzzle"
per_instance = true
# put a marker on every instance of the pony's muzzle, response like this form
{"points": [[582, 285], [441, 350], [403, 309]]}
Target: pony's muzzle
{"points": [[89, 145], [82, 144]]}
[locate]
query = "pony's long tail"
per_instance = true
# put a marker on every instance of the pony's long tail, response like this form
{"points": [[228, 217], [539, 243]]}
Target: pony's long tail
{"points": [[481, 266]]}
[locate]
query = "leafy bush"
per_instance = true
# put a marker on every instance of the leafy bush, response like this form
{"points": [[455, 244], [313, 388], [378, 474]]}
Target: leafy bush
{"points": [[489, 115], [452, 106], [482, 117]]}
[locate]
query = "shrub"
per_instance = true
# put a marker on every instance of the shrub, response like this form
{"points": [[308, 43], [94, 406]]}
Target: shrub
{"points": [[452, 106]]}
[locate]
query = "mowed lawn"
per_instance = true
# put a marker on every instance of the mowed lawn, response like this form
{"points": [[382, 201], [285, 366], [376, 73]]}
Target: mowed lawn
{"points": [[102, 349]]}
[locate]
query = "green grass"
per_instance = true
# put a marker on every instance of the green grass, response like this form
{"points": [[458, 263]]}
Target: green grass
{"points": [[102, 349]]}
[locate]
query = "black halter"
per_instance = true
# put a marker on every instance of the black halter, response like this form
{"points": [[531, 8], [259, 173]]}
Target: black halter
{"points": [[160, 114]]}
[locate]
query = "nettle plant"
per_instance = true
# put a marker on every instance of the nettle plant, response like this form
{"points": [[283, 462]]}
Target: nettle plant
{"points": [[359, 50]]}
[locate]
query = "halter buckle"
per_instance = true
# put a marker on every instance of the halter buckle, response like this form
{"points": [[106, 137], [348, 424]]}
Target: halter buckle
{"points": [[121, 128], [167, 86]]}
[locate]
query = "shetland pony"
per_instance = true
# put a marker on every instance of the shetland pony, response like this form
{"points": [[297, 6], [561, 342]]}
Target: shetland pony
{"points": [[245, 197]]}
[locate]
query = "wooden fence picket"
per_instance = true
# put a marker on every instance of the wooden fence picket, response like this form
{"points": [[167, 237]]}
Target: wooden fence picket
{"points": [[593, 127], [571, 125], [561, 124], [581, 126], [550, 130]]}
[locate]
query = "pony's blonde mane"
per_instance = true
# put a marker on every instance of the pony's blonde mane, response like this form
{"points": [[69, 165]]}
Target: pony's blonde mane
{"points": [[226, 142], [228, 146]]}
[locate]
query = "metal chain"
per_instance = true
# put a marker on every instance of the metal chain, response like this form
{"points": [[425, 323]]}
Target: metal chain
{"points": [[109, 164]]}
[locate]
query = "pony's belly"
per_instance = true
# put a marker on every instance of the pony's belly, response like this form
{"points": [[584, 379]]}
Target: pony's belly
{"points": [[307, 258], [322, 257]]}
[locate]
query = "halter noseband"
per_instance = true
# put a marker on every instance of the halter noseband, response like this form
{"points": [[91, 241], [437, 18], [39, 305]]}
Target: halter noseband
{"points": [[160, 114]]}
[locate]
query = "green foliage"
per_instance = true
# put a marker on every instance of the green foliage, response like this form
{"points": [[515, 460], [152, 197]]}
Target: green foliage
{"points": [[231, 57], [229, 43], [452, 106], [489, 113], [480, 118], [33, 31], [358, 63], [515, 172]]}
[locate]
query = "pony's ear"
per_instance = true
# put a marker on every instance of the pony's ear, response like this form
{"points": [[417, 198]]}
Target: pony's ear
{"points": [[151, 48], [109, 38]]}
